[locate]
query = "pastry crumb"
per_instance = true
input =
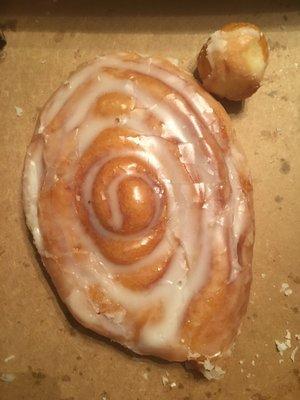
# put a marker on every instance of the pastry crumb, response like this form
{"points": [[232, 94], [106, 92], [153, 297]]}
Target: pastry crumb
{"points": [[9, 358], [281, 346], [146, 376], [211, 371], [8, 378], [41, 129], [208, 365], [294, 353], [104, 396], [285, 288], [287, 344], [19, 111], [165, 380], [288, 334]]}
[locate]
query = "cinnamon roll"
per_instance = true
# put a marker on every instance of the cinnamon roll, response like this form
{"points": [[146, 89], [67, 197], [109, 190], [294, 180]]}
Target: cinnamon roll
{"points": [[140, 205]]}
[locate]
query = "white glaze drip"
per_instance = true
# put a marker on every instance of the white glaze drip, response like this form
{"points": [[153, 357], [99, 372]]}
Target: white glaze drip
{"points": [[32, 180]]}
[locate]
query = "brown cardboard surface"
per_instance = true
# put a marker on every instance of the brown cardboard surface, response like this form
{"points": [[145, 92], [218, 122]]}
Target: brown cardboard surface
{"points": [[54, 357]]}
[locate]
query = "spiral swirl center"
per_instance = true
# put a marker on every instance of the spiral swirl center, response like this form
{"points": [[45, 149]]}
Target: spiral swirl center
{"points": [[125, 199]]}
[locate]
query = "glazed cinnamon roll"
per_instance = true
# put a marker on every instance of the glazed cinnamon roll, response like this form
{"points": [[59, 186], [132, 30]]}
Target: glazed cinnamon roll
{"points": [[140, 205]]}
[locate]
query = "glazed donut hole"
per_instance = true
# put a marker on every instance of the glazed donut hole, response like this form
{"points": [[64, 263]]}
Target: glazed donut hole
{"points": [[232, 62]]}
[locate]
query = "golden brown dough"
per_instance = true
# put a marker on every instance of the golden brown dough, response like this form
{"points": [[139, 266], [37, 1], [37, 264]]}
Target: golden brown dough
{"points": [[232, 62]]}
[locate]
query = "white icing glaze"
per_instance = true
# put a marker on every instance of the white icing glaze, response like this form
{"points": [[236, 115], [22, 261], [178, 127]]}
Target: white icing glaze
{"points": [[218, 41], [192, 226], [32, 177], [112, 323], [248, 31], [216, 44]]}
